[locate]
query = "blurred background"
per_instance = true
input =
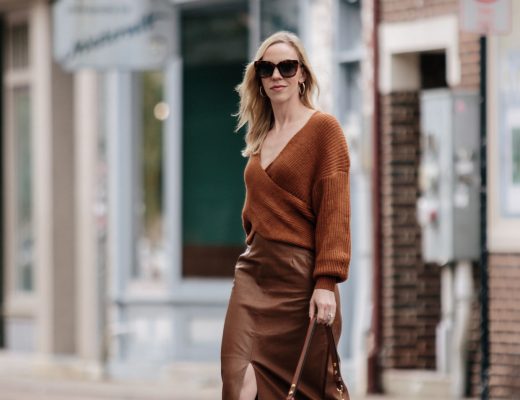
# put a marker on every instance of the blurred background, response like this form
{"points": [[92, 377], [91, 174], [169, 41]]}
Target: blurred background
{"points": [[121, 191]]}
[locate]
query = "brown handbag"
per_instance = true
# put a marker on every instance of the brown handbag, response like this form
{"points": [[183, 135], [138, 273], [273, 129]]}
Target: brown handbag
{"points": [[340, 386]]}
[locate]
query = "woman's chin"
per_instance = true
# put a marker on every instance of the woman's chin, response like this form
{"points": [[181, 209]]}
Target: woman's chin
{"points": [[279, 98]]}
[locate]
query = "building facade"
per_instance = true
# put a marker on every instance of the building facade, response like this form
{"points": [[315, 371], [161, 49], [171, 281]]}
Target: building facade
{"points": [[122, 189], [421, 49], [432, 324], [503, 114]]}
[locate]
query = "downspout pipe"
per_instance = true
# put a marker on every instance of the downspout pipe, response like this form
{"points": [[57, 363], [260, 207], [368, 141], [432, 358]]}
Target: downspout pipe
{"points": [[373, 362], [484, 278], [2, 216]]}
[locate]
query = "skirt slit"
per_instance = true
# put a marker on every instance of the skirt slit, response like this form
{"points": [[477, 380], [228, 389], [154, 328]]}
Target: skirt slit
{"points": [[266, 322]]}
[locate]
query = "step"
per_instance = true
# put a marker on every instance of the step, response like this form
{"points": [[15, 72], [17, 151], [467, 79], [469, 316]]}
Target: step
{"points": [[417, 384]]}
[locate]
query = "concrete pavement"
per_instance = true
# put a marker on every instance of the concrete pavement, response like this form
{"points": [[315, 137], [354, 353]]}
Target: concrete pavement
{"points": [[14, 388], [183, 382]]}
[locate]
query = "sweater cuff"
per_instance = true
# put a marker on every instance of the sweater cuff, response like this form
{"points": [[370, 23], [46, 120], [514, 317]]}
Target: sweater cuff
{"points": [[326, 282]]}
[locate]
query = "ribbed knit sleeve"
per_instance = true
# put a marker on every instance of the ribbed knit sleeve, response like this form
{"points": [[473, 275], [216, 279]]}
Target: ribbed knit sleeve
{"points": [[331, 204]]}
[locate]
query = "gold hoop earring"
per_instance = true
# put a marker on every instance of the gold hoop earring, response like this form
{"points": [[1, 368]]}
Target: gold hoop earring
{"points": [[300, 86], [262, 93]]}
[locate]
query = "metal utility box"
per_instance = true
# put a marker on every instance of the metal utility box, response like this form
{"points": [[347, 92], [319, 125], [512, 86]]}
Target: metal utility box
{"points": [[449, 176]]}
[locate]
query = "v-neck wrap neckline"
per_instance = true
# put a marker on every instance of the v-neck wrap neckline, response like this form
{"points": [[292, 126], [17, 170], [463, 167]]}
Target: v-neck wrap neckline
{"points": [[302, 197], [287, 145]]}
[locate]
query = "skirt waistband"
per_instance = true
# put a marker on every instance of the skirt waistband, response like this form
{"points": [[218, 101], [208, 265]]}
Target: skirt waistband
{"points": [[279, 246]]}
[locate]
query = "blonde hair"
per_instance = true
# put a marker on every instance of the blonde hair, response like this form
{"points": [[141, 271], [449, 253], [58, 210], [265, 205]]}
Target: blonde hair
{"points": [[255, 110]]}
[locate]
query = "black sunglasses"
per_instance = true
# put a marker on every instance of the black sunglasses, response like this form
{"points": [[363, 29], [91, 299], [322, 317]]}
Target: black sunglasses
{"points": [[286, 68]]}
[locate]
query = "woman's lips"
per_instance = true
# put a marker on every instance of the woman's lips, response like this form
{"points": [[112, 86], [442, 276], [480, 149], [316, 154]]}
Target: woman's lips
{"points": [[277, 88]]}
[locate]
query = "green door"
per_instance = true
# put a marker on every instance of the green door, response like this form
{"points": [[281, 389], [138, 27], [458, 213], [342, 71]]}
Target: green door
{"points": [[214, 52]]}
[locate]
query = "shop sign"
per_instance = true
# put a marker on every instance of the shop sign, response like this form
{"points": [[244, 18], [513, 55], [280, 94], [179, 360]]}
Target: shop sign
{"points": [[113, 34], [485, 16]]}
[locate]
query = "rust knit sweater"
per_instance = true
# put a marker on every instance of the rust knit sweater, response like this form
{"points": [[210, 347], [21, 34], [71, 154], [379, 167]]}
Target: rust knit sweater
{"points": [[303, 197]]}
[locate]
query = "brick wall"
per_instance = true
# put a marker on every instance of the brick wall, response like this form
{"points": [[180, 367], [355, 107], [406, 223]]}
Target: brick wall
{"points": [[469, 53], [504, 327], [474, 353], [411, 10], [411, 289], [395, 11]]}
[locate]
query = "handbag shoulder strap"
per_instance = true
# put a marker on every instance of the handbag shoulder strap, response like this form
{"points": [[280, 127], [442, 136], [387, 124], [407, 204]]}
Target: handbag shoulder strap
{"points": [[301, 361], [303, 356], [340, 385]]}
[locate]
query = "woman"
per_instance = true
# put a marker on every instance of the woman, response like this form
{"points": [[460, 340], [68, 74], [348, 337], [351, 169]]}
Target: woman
{"points": [[296, 218]]}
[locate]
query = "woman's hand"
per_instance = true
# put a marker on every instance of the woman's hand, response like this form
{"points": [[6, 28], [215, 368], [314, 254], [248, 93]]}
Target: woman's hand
{"points": [[323, 305]]}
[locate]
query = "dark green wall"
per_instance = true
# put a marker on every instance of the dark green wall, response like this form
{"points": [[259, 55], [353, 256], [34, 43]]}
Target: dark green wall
{"points": [[213, 186]]}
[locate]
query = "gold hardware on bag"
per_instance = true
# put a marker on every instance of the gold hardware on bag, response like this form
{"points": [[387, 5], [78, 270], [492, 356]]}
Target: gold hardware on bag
{"points": [[340, 387], [291, 391], [340, 390]]}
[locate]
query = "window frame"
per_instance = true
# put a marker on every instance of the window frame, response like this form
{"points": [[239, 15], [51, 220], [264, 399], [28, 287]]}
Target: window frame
{"points": [[18, 302]]}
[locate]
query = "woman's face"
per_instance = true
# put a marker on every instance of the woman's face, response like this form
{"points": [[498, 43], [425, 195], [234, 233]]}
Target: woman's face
{"points": [[276, 87]]}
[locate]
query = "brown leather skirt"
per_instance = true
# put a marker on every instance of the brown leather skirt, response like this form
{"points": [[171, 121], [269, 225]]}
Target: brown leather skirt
{"points": [[266, 323]]}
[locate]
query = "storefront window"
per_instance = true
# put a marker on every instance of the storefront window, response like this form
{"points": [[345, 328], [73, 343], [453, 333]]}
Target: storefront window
{"points": [[279, 15], [151, 247], [24, 192]]}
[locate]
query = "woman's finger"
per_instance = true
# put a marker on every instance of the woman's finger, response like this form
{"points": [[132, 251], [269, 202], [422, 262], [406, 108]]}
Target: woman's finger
{"points": [[324, 312], [312, 308], [319, 313], [332, 315]]}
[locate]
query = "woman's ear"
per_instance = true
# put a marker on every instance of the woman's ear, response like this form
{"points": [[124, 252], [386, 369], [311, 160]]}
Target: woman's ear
{"points": [[303, 77]]}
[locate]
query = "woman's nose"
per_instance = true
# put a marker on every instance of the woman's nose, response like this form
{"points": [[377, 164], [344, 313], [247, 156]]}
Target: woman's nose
{"points": [[276, 73]]}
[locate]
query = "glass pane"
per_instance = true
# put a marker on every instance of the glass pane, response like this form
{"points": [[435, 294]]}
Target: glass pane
{"points": [[349, 25], [19, 46], [515, 150], [151, 258], [24, 193], [279, 15], [214, 35], [349, 96], [213, 185]]}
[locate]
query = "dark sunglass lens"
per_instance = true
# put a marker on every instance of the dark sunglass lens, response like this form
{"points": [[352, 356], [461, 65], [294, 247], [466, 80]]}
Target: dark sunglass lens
{"points": [[288, 68], [264, 69]]}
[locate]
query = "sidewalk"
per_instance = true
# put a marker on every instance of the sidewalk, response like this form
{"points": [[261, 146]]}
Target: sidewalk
{"points": [[39, 389], [184, 382]]}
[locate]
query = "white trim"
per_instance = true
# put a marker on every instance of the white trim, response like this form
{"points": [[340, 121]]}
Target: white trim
{"points": [[19, 304], [400, 43], [120, 178], [209, 292], [41, 126], [17, 78], [173, 167], [89, 305], [503, 233]]}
